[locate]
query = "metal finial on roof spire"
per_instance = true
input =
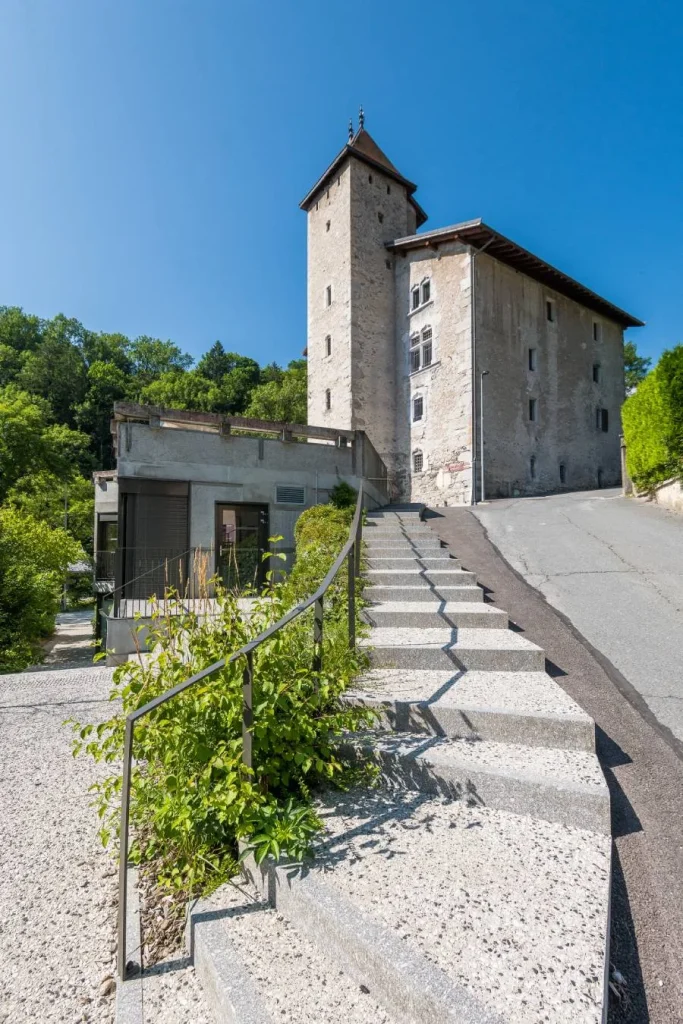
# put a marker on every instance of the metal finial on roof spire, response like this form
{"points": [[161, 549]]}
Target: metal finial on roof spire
{"points": [[361, 118], [350, 128]]}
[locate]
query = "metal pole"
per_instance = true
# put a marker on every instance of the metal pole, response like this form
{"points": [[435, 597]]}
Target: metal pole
{"points": [[123, 848], [351, 570], [484, 373], [318, 635], [248, 711]]}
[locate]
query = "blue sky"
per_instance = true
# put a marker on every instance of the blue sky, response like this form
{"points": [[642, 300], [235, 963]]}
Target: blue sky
{"points": [[155, 151]]}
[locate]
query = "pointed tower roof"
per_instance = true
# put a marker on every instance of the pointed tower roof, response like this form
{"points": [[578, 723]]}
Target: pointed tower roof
{"points": [[364, 148]]}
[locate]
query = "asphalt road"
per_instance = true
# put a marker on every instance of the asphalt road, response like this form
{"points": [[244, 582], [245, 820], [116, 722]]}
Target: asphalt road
{"points": [[643, 765], [614, 567]]}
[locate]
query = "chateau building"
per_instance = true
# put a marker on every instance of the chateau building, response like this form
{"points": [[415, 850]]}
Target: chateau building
{"points": [[411, 332]]}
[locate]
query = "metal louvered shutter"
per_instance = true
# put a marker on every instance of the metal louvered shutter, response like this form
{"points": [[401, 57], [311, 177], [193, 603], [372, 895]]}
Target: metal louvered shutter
{"points": [[287, 494]]}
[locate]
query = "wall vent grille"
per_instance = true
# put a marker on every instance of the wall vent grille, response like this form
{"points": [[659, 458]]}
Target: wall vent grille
{"points": [[286, 494]]}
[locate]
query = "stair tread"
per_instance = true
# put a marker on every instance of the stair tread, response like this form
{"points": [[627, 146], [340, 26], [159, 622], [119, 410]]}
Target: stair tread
{"points": [[482, 639], [579, 769], [520, 693], [517, 915], [295, 980], [428, 607]]}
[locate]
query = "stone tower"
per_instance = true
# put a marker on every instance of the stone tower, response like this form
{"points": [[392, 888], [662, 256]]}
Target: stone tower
{"points": [[359, 204]]}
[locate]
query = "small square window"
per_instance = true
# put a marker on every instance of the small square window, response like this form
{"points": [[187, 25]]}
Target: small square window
{"points": [[533, 410], [418, 462], [418, 409], [550, 310], [328, 399], [416, 298], [427, 354], [597, 331], [328, 295], [414, 360], [426, 288], [532, 358], [328, 345], [426, 334], [596, 373]]}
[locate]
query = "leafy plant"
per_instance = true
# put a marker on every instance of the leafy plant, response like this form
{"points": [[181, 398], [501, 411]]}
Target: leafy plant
{"points": [[653, 423], [343, 495], [193, 802]]}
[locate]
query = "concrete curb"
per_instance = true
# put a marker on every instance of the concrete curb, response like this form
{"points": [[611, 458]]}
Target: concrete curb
{"points": [[129, 1002], [404, 981], [226, 984]]}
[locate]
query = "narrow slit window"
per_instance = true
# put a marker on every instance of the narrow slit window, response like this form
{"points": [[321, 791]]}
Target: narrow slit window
{"points": [[597, 331], [327, 225], [550, 310], [604, 420], [418, 462], [532, 467], [328, 345], [418, 409], [328, 295], [563, 473], [328, 399], [380, 217], [533, 410], [532, 358], [596, 372]]}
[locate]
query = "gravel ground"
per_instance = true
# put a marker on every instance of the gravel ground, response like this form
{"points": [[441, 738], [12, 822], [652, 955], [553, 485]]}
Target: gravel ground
{"points": [[57, 885]]}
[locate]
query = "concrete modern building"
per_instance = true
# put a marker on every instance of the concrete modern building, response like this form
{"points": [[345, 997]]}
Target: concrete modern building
{"points": [[408, 331]]}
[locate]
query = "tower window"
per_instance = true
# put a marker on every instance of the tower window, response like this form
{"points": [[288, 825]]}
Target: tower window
{"points": [[328, 295], [387, 264], [550, 310], [418, 409], [425, 291], [380, 217], [602, 420], [596, 373], [414, 360], [532, 358], [597, 331], [370, 178], [388, 190], [415, 298], [532, 467], [533, 410], [563, 473], [327, 226], [418, 462], [426, 346], [328, 399], [328, 345]]}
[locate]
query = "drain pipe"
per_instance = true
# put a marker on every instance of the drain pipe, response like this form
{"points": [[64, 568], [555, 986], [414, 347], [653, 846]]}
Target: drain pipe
{"points": [[473, 332]]}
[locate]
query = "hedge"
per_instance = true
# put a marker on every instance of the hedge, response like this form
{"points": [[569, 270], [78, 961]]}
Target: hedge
{"points": [[652, 420]]}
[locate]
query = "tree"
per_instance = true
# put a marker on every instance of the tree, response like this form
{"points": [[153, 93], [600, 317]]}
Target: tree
{"points": [[56, 369], [177, 390], [215, 363], [20, 330], [284, 400], [106, 383], [47, 498], [151, 357], [635, 367]]}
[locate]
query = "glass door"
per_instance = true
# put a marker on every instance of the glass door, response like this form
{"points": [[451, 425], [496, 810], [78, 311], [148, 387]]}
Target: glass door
{"points": [[241, 539]]}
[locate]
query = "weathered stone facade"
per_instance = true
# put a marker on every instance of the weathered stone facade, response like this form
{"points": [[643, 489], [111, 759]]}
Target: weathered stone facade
{"points": [[408, 371]]}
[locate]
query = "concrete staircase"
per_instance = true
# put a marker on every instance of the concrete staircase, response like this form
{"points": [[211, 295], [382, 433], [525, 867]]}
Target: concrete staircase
{"points": [[474, 886]]}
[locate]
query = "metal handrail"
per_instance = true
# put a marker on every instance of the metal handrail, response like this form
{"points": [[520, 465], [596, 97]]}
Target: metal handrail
{"points": [[350, 551]]}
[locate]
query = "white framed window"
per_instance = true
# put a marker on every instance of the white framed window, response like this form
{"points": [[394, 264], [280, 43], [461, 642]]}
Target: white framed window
{"points": [[418, 462], [550, 310], [532, 359], [415, 298], [328, 399], [426, 290], [414, 360], [328, 345], [533, 410], [597, 330], [328, 295], [426, 346]]}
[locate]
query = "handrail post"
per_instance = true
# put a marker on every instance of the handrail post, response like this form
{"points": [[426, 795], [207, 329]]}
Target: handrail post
{"points": [[123, 848], [351, 572], [318, 635], [248, 711]]}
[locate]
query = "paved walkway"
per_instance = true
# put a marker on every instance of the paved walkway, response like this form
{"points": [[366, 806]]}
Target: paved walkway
{"points": [[614, 567], [70, 646]]}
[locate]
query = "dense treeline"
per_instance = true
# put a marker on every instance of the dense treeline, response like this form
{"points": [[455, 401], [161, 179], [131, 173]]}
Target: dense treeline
{"points": [[653, 423], [58, 383]]}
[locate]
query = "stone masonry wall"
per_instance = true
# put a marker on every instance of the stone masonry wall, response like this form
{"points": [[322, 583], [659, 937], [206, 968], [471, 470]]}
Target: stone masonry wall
{"points": [[511, 319], [443, 435]]}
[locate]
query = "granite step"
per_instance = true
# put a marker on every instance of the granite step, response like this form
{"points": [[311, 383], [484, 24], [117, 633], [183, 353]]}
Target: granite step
{"points": [[420, 615], [450, 912], [422, 592], [565, 786], [418, 575], [507, 707], [429, 558], [389, 543], [487, 649]]}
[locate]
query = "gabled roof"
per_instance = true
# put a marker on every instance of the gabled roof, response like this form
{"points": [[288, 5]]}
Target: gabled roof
{"points": [[481, 236], [364, 148]]}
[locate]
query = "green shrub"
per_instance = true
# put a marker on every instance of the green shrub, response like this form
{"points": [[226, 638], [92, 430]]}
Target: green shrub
{"points": [[652, 420], [33, 566], [343, 495], [191, 799]]}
